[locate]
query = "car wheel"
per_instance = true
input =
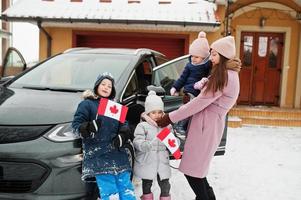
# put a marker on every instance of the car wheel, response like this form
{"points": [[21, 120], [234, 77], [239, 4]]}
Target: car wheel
{"points": [[129, 148]]}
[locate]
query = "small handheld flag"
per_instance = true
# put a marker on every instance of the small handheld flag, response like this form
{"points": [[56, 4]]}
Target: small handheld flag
{"points": [[170, 141], [112, 109]]}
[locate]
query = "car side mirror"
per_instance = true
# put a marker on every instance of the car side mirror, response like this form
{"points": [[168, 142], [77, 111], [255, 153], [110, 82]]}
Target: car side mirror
{"points": [[5, 79], [160, 91]]}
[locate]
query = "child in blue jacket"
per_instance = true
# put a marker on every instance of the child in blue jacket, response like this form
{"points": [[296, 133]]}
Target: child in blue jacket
{"points": [[104, 157], [197, 68]]}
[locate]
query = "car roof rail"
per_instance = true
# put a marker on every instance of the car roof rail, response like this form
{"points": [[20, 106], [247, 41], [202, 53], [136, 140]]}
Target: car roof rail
{"points": [[76, 49]]}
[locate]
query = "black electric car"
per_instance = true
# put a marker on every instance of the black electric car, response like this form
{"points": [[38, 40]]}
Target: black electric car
{"points": [[40, 158]]}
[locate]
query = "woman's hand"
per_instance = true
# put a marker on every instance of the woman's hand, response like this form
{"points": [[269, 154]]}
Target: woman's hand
{"points": [[164, 121]]}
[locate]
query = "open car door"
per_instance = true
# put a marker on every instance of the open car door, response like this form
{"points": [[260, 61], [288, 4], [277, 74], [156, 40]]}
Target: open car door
{"points": [[165, 75], [13, 64]]}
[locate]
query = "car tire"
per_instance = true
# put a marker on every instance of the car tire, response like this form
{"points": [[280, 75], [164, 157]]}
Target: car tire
{"points": [[130, 150]]}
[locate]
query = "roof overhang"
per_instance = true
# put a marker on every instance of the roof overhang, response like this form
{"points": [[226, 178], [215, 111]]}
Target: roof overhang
{"points": [[178, 16], [119, 24]]}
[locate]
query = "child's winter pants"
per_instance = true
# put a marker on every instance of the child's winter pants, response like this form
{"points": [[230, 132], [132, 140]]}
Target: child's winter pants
{"points": [[163, 184], [115, 186]]}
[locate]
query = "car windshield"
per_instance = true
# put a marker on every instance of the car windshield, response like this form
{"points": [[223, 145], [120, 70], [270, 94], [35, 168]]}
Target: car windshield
{"points": [[73, 71]]}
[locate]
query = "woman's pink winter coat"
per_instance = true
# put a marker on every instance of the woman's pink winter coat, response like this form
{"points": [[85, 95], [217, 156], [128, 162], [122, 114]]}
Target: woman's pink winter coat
{"points": [[206, 127]]}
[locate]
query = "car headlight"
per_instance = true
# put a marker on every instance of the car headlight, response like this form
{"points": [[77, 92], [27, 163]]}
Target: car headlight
{"points": [[61, 133]]}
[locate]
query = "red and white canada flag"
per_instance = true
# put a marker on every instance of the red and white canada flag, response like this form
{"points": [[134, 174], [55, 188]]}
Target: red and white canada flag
{"points": [[112, 109], [170, 141]]}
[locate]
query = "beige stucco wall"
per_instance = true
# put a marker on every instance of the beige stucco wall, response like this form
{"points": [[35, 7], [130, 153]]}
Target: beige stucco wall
{"points": [[282, 23], [61, 40]]}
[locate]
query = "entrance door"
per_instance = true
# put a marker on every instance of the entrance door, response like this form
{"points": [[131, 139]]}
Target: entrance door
{"points": [[261, 55]]}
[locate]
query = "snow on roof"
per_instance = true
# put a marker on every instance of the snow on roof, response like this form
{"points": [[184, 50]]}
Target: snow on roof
{"points": [[184, 13]]}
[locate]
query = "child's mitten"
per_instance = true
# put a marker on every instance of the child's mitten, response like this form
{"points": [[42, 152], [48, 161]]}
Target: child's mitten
{"points": [[119, 141], [122, 137], [173, 92], [200, 84], [86, 128]]}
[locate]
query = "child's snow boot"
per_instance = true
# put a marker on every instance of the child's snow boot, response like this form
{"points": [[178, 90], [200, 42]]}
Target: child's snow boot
{"points": [[149, 196], [165, 198]]}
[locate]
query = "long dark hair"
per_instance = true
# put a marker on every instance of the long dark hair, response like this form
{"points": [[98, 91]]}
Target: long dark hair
{"points": [[218, 77]]}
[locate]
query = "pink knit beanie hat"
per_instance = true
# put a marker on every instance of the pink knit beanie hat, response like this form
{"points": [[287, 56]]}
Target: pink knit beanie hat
{"points": [[200, 46], [225, 46]]}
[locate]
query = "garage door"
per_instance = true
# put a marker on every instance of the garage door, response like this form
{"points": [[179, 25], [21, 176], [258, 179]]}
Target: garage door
{"points": [[170, 45]]}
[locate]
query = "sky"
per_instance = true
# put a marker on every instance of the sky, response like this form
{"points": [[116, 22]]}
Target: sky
{"points": [[26, 40], [260, 163]]}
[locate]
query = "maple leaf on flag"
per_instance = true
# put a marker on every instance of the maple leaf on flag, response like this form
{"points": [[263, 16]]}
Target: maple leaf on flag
{"points": [[171, 142], [114, 109]]}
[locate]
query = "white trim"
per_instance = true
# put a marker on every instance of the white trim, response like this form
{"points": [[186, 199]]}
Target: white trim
{"points": [[134, 27], [120, 141], [285, 63], [298, 81], [95, 125]]}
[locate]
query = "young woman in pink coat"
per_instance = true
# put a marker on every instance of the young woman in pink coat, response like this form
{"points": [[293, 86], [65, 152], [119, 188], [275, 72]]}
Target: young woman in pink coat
{"points": [[208, 110]]}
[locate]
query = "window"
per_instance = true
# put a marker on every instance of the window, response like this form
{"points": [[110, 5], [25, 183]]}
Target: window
{"points": [[273, 52], [160, 60], [168, 74], [14, 64], [248, 51], [131, 88], [144, 76], [70, 70]]}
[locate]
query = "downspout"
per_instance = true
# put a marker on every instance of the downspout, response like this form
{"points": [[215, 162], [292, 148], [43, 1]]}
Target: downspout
{"points": [[227, 31], [298, 81], [49, 38]]}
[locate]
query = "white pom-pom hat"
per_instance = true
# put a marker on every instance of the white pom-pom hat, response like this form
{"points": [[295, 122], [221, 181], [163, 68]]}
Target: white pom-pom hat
{"points": [[225, 46], [200, 46], [153, 102]]}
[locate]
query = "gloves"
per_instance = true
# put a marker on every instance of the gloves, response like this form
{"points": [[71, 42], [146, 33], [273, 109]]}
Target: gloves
{"points": [[122, 137], [146, 146], [86, 128], [118, 141], [173, 92], [186, 98], [164, 121], [200, 84]]}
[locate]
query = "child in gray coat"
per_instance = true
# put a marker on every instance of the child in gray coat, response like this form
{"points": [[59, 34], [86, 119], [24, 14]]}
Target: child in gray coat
{"points": [[152, 156]]}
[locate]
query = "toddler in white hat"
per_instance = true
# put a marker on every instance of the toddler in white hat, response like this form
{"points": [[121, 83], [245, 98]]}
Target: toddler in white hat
{"points": [[152, 156]]}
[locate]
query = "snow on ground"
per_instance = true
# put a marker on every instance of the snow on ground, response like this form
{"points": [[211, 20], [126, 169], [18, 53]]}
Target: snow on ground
{"points": [[261, 163]]}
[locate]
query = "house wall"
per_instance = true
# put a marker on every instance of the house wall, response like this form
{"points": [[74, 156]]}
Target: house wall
{"points": [[62, 38], [276, 22]]}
